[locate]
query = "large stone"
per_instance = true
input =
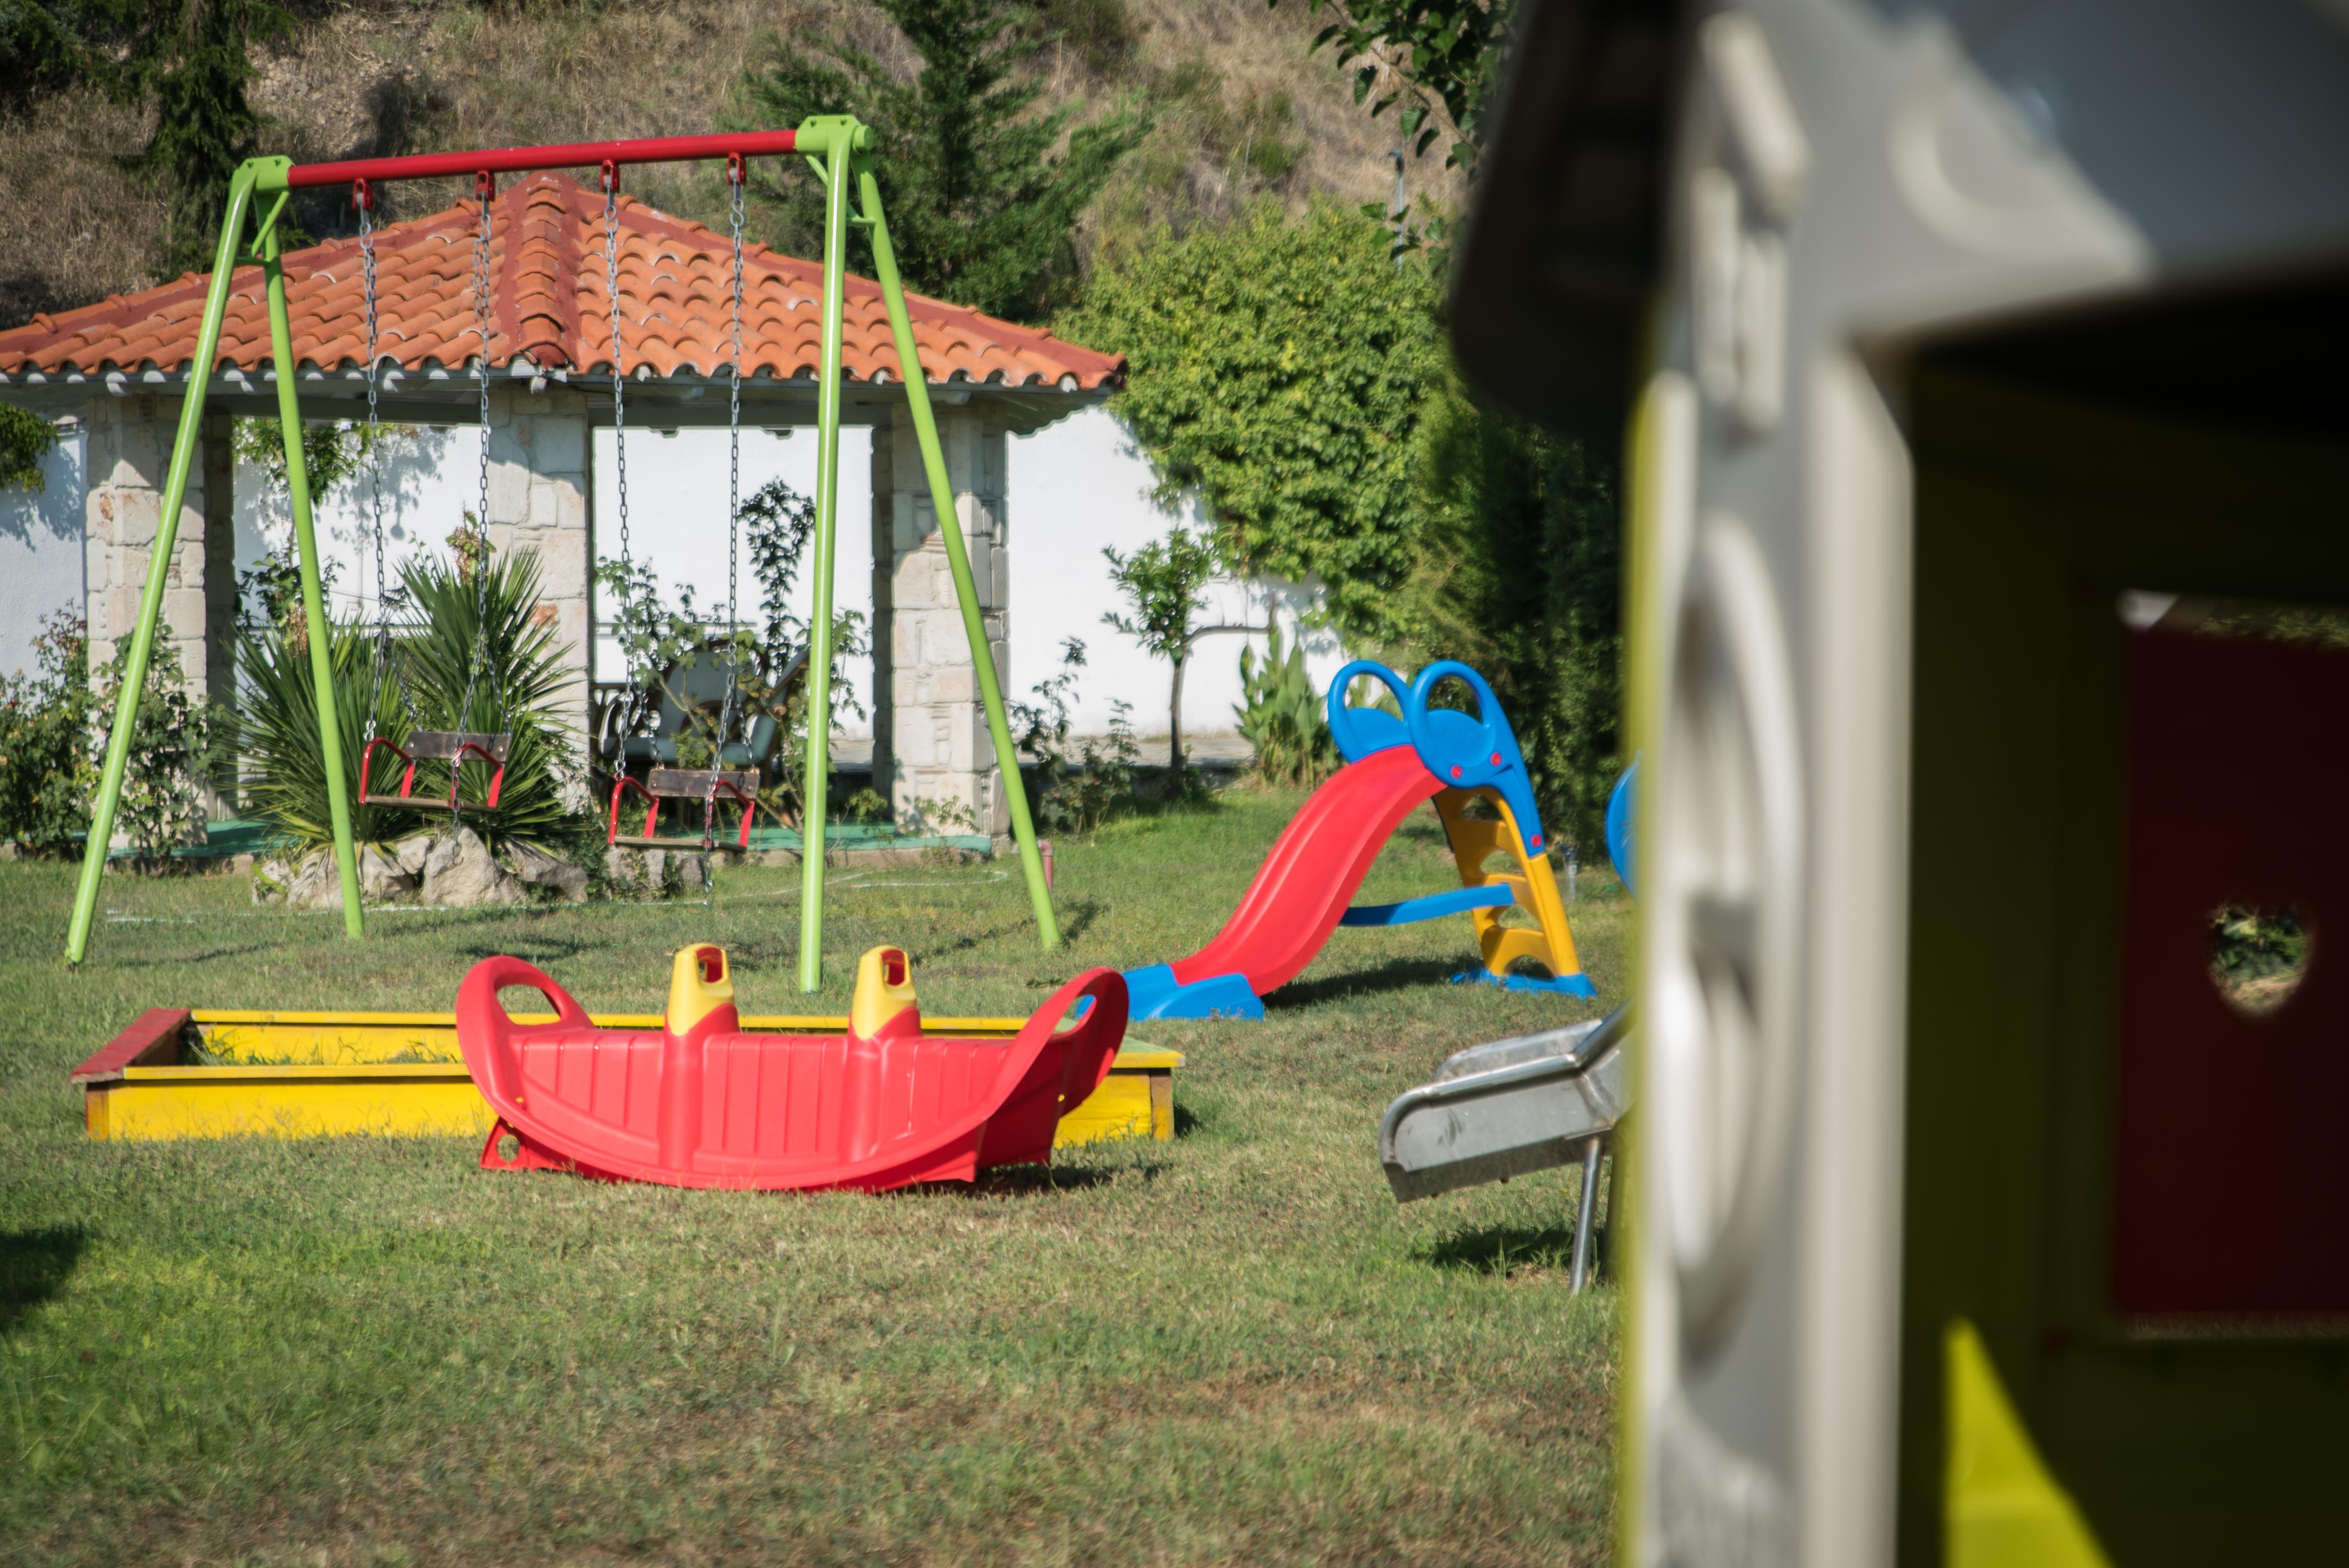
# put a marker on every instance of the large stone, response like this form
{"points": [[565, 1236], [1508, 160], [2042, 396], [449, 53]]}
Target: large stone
{"points": [[410, 851], [539, 869], [316, 884], [692, 868], [622, 868], [382, 876], [461, 874]]}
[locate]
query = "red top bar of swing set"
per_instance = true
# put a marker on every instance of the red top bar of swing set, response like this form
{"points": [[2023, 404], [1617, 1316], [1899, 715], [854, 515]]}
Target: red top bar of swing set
{"points": [[521, 160]]}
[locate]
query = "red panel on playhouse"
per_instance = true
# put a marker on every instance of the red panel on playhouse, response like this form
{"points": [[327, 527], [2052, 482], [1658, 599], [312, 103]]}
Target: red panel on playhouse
{"points": [[700, 1103], [2232, 1180]]}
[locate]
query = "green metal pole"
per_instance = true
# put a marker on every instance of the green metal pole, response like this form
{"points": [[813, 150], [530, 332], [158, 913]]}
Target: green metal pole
{"points": [[314, 614], [840, 134], [159, 567], [934, 463]]}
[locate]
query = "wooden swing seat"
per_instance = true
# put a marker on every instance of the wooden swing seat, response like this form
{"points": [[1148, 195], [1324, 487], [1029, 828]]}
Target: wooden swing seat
{"points": [[705, 784], [454, 746]]}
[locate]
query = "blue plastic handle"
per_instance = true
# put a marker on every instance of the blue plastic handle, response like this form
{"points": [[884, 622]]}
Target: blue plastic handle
{"points": [[1622, 828], [1469, 753], [1360, 731]]}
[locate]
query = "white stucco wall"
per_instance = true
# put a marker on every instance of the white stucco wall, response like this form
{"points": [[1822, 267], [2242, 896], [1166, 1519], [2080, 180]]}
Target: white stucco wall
{"points": [[1079, 485], [40, 551], [1074, 487]]}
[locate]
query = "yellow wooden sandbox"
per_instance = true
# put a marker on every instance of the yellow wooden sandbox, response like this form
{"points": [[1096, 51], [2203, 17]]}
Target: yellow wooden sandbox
{"points": [[313, 1075]]}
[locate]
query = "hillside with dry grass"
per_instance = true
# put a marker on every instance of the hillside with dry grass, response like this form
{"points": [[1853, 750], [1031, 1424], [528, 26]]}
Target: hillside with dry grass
{"points": [[1244, 111]]}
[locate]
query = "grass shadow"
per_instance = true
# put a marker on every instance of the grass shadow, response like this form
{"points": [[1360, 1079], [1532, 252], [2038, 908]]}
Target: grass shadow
{"points": [[1188, 1122], [34, 1266], [1025, 1180], [1081, 917], [1501, 1251], [1396, 974]]}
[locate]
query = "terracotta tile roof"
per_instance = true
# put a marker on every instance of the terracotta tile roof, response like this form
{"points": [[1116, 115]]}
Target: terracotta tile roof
{"points": [[553, 310]]}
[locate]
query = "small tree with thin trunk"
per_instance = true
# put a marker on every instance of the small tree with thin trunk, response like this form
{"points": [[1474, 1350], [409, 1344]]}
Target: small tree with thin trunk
{"points": [[1165, 581]]}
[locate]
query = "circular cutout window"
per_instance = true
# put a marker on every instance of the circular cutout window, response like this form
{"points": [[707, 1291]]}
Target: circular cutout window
{"points": [[2259, 956]]}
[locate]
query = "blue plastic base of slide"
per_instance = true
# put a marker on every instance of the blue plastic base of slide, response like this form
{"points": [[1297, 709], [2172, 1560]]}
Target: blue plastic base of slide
{"points": [[1562, 985], [1154, 993]]}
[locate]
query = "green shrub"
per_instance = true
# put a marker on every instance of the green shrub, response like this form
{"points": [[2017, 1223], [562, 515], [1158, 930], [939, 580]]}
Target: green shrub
{"points": [[1281, 718], [44, 732], [1072, 794], [170, 757]]}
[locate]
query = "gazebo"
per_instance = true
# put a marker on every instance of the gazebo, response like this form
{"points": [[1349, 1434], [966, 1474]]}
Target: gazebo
{"points": [[122, 365]]}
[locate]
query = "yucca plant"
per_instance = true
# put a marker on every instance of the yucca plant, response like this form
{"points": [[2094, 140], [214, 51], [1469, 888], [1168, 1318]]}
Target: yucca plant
{"points": [[1282, 716], [425, 687], [511, 690], [277, 732]]}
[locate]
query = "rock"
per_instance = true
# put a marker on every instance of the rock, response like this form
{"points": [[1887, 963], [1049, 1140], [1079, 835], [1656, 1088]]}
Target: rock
{"points": [[316, 883], [692, 868], [621, 867], [10, 851], [655, 865], [410, 852], [237, 866], [539, 869], [382, 877], [270, 878], [460, 873]]}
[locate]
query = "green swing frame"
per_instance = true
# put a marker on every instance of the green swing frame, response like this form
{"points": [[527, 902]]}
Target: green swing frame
{"points": [[837, 146]]}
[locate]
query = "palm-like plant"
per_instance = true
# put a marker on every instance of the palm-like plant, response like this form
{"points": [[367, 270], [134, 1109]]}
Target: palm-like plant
{"points": [[509, 691], [431, 682], [277, 732]]}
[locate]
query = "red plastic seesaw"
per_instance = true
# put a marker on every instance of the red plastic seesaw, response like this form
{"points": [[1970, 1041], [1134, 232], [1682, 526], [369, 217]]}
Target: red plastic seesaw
{"points": [[700, 1103]]}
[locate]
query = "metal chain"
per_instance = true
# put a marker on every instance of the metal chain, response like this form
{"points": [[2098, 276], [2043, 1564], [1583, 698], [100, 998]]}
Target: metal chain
{"points": [[364, 199], [728, 707], [619, 369], [484, 188]]}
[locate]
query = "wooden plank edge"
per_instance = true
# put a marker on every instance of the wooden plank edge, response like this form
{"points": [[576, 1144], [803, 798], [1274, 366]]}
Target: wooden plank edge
{"points": [[151, 1040]]}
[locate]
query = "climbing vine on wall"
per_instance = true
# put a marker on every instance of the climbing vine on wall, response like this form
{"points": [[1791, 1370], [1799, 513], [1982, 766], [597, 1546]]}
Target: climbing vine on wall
{"points": [[1279, 368]]}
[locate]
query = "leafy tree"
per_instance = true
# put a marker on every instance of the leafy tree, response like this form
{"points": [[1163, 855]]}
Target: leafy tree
{"points": [[1519, 575], [25, 440], [1165, 581], [981, 210], [1279, 369], [1515, 567], [1426, 55]]}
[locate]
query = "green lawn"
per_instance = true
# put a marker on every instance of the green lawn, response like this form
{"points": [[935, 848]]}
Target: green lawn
{"points": [[1232, 1348]]}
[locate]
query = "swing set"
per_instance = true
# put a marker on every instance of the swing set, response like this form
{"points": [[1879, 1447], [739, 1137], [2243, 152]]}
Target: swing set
{"points": [[837, 146]]}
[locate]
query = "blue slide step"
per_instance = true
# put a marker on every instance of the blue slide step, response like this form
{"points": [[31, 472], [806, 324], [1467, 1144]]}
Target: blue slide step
{"points": [[1154, 993], [1434, 906], [1560, 986]]}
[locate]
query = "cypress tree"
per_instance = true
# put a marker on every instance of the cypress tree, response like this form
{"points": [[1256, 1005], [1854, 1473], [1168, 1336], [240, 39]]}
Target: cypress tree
{"points": [[982, 213]]}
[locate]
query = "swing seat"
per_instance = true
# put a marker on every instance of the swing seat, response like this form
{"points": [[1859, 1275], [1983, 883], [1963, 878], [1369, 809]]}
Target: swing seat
{"points": [[703, 784], [698, 1102], [454, 746]]}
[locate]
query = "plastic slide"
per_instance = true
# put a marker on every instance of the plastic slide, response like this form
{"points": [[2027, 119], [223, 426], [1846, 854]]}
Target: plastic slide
{"points": [[699, 1103], [1303, 891]]}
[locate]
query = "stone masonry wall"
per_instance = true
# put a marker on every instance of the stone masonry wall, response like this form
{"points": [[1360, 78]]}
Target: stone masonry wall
{"points": [[129, 449], [539, 491], [930, 742]]}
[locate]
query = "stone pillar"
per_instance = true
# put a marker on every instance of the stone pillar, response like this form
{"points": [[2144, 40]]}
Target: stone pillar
{"points": [[130, 451], [540, 483], [219, 502], [930, 746]]}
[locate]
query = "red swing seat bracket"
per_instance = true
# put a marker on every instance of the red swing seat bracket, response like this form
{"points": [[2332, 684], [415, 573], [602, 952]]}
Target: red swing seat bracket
{"points": [[701, 784], [454, 746]]}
